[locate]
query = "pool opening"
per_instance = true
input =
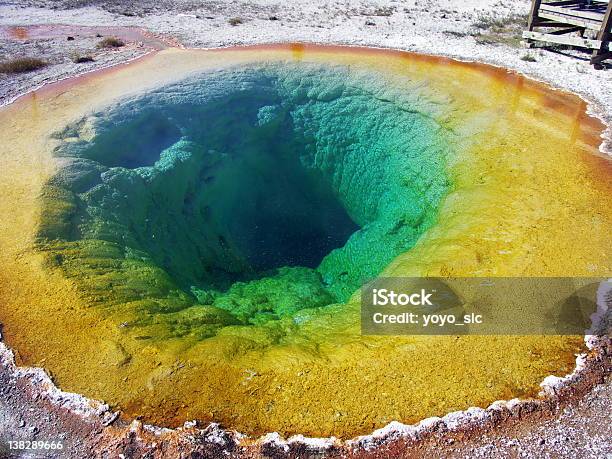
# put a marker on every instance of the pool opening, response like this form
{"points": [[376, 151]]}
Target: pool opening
{"points": [[255, 192]]}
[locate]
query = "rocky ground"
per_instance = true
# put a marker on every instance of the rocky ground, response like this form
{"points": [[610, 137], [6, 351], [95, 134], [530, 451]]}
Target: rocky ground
{"points": [[581, 429], [60, 31]]}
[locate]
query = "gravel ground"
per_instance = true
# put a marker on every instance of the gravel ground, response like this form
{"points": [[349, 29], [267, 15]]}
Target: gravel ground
{"points": [[56, 55], [60, 46], [486, 30], [580, 430]]}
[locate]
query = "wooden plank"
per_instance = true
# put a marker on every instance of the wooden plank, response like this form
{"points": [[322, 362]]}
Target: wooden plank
{"points": [[579, 3], [572, 12], [576, 3], [563, 40], [564, 31], [549, 23], [587, 24]]}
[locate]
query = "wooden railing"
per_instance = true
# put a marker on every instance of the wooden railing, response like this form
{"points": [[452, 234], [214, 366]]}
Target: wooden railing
{"points": [[571, 19]]}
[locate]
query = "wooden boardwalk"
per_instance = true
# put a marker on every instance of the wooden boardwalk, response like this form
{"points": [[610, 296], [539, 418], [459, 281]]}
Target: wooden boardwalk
{"points": [[580, 23]]}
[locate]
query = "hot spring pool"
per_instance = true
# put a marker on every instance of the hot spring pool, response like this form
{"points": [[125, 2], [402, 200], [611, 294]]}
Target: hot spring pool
{"points": [[187, 233], [256, 192]]}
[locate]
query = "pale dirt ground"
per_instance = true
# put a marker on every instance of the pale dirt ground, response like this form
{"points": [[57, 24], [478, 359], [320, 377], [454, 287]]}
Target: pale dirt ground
{"points": [[461, 29], [447, 27]]}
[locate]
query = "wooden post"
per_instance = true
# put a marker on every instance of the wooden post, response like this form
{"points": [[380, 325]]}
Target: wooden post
{"points": [[601, 54], [533, 14]]}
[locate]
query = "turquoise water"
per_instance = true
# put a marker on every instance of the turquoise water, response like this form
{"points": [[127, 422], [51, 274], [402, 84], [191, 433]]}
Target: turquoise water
{"points": [[251, 192]]}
